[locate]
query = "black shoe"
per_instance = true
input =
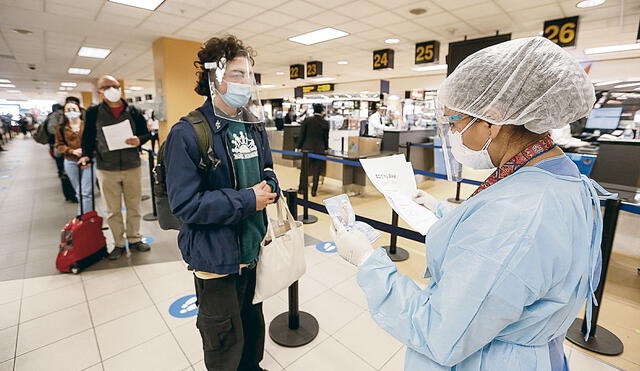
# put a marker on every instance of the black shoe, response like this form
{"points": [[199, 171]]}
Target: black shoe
{"points": [[140, 246], [116, 253], [314, 193]]}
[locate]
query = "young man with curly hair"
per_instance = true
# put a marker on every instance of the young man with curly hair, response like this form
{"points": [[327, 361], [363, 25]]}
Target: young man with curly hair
{"points": [[221, 201]]}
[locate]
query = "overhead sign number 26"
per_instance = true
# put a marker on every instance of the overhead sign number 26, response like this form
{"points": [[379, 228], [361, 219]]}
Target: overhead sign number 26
{"points": [[562, 31]]}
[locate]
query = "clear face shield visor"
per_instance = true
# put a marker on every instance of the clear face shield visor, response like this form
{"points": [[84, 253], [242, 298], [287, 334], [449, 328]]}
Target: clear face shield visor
{"points": [[234, 91], [445, 122]]}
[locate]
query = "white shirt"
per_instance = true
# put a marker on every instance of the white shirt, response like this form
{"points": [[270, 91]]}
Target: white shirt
{"points": [[376, 128]]}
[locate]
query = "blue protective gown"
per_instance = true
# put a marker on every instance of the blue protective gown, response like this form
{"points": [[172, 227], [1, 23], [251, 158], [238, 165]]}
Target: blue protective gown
{"points": [[510, 267]]}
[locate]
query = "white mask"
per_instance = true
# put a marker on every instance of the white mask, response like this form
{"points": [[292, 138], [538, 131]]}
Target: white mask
{"points": [[72, 114], [474, 159], [112, 94]]}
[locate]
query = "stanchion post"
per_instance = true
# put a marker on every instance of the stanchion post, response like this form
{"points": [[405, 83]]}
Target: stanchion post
{"points": [[153, 216], [293, 328], [600, 340], [397, 254], [304, 170]]}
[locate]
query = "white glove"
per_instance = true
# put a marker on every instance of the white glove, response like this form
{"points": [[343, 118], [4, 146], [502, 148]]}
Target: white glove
{"points": [[353, 246], [423, 198]]}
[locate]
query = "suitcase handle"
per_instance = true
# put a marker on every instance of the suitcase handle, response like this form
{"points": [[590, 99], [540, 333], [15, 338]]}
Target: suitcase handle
{"points": [[93, 197]]}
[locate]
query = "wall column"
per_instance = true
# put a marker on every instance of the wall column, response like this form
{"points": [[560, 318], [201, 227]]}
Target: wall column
{"points": [[87, 98]]}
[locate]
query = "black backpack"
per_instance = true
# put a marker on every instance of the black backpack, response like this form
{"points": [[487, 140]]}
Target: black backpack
{"points": [[207, 158]]}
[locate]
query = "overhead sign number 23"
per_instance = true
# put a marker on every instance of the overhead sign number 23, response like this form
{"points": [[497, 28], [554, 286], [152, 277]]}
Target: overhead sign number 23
{"points": [[562, 31]]}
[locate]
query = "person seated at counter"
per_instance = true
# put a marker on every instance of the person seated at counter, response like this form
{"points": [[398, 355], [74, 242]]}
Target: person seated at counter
{"points": [[314, 138]]}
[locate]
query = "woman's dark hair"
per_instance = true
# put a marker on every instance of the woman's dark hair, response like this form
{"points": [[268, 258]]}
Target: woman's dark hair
{"points": [[213, 50]]}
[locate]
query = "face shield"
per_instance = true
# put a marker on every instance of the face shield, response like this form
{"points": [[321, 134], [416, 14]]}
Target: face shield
{"points": [[451, 166], [234, 91]]}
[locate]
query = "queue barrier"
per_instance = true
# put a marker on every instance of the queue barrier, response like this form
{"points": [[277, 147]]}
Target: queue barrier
{"points": [[152, 216]]}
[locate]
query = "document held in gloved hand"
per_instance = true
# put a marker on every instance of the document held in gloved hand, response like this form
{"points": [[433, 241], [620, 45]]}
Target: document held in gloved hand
{"points": [[339, 207], [393, 177]]}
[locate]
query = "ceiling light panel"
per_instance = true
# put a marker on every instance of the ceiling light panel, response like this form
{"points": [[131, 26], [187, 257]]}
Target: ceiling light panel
{"points": [[142, 4], [79, 71], [318, 36], [89, 52], [5, 81], [612, 49], [72, 84], [7, 86]]}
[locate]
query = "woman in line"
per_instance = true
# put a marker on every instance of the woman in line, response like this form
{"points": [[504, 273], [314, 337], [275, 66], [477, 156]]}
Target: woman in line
{"points": [[68, 142]]}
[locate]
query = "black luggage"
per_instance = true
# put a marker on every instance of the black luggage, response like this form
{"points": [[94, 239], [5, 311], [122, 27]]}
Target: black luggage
{"points": [[67, 188]]}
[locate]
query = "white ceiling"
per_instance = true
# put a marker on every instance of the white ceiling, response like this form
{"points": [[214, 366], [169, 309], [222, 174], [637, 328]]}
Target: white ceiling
{"points": [[60, 27]]}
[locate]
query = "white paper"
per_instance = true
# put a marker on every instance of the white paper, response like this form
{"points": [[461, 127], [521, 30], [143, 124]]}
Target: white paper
{"points": [[393, 177], [116, 135]]}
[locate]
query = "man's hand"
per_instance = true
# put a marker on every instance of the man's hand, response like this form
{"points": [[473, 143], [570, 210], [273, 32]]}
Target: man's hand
{"points": [[133, 141], [264, 196], [77, 152]]}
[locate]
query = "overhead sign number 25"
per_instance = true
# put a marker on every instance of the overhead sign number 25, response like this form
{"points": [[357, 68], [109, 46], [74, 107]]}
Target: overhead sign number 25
{"points": [[562, 31], [427, 52]]}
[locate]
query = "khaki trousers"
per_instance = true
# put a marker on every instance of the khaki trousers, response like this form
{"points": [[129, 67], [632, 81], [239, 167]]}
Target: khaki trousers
{"points": [[116, 185]]}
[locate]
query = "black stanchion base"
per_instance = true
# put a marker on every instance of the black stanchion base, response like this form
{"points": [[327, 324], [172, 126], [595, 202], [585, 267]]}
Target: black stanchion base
{"points": [[603, 342], [150, 217], [310, 220], [145, 197], [281, 334], [400, 255], [454, 200]]}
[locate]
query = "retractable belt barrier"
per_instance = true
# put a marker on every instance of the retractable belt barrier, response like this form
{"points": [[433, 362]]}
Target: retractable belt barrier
{"points": [[152, 216]]}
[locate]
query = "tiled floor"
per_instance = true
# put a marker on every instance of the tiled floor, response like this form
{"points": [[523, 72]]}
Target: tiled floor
{"points": [[115, 316]]}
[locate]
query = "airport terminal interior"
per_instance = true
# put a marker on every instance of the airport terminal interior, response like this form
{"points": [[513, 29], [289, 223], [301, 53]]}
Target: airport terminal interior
{"points": [[75, 295]]}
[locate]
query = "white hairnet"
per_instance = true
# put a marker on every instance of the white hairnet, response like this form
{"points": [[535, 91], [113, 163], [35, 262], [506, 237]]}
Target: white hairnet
{"points": [[529, 81]]}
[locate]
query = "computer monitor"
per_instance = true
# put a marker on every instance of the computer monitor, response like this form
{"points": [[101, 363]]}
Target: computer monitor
{"points": [[604, 118]]}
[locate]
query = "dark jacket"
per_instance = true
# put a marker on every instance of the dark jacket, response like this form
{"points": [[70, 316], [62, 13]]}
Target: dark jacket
{"points": [[314, 136], [94, 143], [211, 207]]}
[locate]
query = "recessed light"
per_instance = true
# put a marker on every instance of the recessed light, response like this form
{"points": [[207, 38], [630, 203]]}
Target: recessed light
{"points": [[79, 71], [279, 73], [322, 79], [22, 31], [68, 84], [602, 83], [89, 52], [63, 93], [418, 11], [627, 85], [62, 88], [267, 86], [136, 88], [13, 91], [612, 48], [436, 67], [392, 41], [589, 3], [7, 86], [343, 62], [318, 36], [143, 4], [5, 81]]}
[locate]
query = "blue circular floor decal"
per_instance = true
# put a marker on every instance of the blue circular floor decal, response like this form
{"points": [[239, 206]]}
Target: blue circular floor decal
{"points": [[184, 307], [2, 188], [326, 247]]}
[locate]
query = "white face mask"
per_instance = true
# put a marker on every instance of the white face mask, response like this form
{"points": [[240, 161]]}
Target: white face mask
{"points": [[112, 94], [72, 114], [474, 159], [237, 95]]}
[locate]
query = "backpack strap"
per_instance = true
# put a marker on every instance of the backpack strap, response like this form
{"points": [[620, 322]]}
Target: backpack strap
{"points": [[204, 137]]}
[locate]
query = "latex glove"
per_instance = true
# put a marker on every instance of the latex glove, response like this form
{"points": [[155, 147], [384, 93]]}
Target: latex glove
{"points": [[353, 246], [423, 198]]}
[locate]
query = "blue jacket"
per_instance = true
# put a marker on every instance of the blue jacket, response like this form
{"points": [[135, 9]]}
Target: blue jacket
{"points": [[211, 209]]}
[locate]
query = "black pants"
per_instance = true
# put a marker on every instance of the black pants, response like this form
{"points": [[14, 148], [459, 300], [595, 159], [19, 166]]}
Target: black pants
{"points": [[316, 168], [232, 328]]}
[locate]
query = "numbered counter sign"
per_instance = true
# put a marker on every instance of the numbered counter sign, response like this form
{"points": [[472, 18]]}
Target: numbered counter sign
{"points": [[383, 59], [314, 69], [296, 71], [562, 31], [427, 52]]}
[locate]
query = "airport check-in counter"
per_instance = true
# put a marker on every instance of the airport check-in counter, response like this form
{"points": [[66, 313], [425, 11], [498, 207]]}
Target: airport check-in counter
{"points": [[421, 158]]}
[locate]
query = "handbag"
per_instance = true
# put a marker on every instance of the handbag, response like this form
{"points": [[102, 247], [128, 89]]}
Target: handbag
{"points": [[281, 260]]}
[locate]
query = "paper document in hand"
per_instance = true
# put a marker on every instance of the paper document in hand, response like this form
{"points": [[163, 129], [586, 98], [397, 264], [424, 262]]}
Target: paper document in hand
{"points": [[117, 134], [393, 177]]}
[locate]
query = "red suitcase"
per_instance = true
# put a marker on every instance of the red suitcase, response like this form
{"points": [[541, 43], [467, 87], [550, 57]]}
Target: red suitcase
{"points": [[82, 242]]}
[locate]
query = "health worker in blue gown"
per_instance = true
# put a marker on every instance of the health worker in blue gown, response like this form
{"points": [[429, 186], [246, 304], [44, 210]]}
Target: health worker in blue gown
{"points": [[511, 267]]}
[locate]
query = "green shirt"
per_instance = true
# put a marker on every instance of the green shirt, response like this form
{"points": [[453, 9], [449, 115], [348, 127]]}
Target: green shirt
{"points": [[244, 155]]}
